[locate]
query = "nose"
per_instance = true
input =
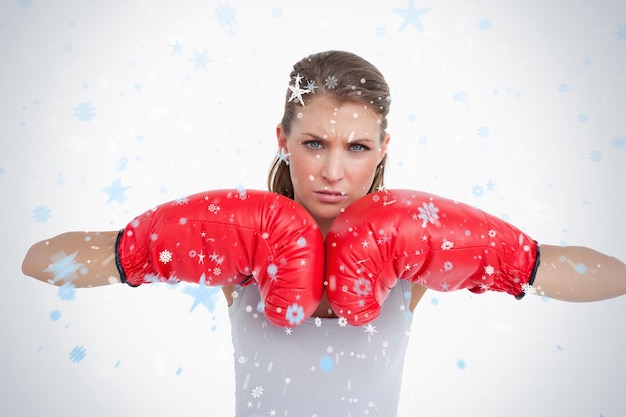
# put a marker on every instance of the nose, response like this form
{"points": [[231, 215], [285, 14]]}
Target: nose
{"points": [[333, 168]]}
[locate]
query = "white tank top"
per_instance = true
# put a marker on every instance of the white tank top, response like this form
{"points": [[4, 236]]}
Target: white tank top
{"points": [[321, 368]]}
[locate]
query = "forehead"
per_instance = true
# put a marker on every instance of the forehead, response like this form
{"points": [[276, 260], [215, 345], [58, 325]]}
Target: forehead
{"points": [[323, 112]]}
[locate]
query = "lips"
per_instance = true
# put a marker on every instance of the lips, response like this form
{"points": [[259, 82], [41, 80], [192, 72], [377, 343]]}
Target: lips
{"points": [[331, 197]]}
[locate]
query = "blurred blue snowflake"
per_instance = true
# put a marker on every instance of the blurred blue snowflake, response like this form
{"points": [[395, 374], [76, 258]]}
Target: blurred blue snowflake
{"points": [[619, 142], [478, 190], [411, 16], [484, 24], [78, 354], [595, 156], [177, 47], [225, 15], [116, 191], [200, 60], [484, 132], [85, 112], [55, 315], [67, 291], [203, 294], [42, 214], [461, 364], [460, 96]]}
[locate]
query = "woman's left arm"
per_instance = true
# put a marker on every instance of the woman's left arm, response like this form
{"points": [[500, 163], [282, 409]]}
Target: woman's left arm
{"points": [[575, 273]]}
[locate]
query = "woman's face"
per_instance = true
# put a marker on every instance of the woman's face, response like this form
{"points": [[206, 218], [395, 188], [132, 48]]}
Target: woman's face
{"points": [[333, 151]]}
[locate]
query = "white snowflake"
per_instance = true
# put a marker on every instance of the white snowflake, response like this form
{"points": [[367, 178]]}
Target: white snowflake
{"points": [[370, 329], [329, 349], [428, 213], [234, 294], [492, 233], [165, 256], [297, 90], [447, 245], [214, 208], [529, 289], [342, 321], [331, 82], [257, 391], [242, 359], [489, 270], [318, 322], [448, 266], [217, 271], [181, 201]]}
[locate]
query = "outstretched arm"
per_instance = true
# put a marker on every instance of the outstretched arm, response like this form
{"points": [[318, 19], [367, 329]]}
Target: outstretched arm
{"points": [[575, 273], [86, 259]]}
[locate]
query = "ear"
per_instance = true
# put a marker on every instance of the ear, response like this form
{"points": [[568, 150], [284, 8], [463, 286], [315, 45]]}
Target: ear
{"points": [[281, 137]]}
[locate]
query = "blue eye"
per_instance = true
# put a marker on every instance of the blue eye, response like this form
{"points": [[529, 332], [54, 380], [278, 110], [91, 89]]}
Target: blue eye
{"points": [[358, 147], [313, 144]]}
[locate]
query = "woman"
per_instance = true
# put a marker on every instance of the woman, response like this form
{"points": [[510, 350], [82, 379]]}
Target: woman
{"points": [[332, 144]]}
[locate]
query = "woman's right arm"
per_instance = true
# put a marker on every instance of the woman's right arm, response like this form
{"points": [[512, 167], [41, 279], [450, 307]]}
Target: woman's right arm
{"points": [[86, 259]]}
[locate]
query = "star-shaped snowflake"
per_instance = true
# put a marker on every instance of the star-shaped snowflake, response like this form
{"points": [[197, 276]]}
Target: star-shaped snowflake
{"points": [[203, 294], [411, 16], [370, 329], [64, 267], [116, 191], [297, 91]]}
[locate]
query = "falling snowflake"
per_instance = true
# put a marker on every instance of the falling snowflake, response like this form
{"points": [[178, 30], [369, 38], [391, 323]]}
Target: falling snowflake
{"points": [[214, 208], [484, 132], [318, 322], [478, 190], [42, 214], [200, 60], [297, 91], [489, 270], [448, 266], [203, 294], [362, 287], [78, 354], [282, 156], [241, 359], [331, 82], [85, 112], [484, 24], [295, 314], [225, 15], [257, 391], [428, 214], [370, 329], [460, 96], [165, 256], [461, 364], [447, 245], [65, 267], [116, 191], [529, 289], [342, 321], [595, 156]]}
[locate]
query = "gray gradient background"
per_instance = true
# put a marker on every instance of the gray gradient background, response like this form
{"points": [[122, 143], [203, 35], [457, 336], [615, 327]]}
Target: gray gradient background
{"points": [[547, 79]]}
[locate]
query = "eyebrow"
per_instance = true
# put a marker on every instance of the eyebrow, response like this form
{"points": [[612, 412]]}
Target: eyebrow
{"points": [[318, 138]]}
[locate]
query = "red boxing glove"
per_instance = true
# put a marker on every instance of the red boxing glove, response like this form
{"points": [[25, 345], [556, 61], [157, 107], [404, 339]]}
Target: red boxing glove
{"points": [[438, 243], [230, 237]]}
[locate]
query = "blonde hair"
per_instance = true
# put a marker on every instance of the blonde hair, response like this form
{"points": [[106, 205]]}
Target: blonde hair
{"points": [[344, 77]]}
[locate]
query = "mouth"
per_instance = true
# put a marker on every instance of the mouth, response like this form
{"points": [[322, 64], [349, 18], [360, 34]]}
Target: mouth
{"points": [[331, 197]]}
